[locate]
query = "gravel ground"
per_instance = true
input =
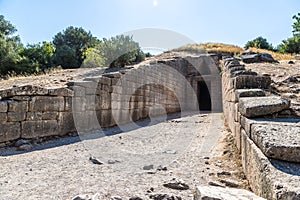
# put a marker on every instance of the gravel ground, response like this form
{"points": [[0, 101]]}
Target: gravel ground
{"points": [[190, 148]]}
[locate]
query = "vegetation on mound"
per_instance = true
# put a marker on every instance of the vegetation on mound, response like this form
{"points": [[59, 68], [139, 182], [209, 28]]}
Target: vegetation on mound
{"points": [[276, 55], [212, 48]]}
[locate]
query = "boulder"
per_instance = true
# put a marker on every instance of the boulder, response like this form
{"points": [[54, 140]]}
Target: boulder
{"points": [[260, 106], [257, 57]]}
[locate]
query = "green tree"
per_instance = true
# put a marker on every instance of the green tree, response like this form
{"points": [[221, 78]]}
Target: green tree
{"points": [[71, 44], [39, 55], [9, 46], [93, 58], [120, 51], [296, 25], [292, 44], [260, 43]]}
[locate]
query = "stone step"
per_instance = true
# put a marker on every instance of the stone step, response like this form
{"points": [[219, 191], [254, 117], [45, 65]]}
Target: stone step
{"points": [[259, 106], [249, 93], [278, 141], [220, 193]]}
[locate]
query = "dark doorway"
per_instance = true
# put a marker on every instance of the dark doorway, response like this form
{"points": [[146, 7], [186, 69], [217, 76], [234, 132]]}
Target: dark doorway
{"points": [[204, 96]]}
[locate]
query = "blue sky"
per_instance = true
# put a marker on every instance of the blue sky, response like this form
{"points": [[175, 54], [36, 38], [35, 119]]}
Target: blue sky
{"points": [[225, 21]]}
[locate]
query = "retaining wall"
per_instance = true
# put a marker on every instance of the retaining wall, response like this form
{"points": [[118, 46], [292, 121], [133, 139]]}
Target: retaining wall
{"points": [[265, 134], [160, 87]]}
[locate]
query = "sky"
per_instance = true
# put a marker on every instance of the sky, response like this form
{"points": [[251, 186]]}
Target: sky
{"points": [[224, 21]]}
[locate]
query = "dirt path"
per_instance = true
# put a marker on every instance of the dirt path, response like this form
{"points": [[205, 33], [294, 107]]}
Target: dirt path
{"points": [[135, 163]]}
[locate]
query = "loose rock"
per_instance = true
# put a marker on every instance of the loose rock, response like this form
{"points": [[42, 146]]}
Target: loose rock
{"points": [[176, 184], [164, 197], [95, 161]]}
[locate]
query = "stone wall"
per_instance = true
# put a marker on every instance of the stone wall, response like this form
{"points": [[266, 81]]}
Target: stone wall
{"points": [[31, 111], [159, 87], [265, 134]]}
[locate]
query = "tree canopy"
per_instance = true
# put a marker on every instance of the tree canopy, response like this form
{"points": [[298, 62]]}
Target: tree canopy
{"points": [[9, 45], [70, 45], [120, 51], [292, 44], [260, 43]]}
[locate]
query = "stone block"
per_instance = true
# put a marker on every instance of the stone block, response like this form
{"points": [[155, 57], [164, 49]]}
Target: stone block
{"points": [[3, 117], [278, 141], [16, 116], [220, 193], [51, 115], [33, 129], [60, 91], [260, 106], [47, 103], [86, 121], [3, 106], [17, 106], [236, 68], [248, 93], [78, 91], [251, 81], [34, 116], [237, 135], [68, 103], [66, 123], [21, 98], [26, 90], [105, 80], [106, 101], [91, 102], [9, 131], [79, 104], [105, 118]]}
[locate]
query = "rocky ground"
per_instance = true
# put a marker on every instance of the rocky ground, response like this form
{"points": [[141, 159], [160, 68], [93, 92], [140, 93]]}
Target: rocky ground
{"points": [[167, 158], [181, 155], [285, 77]]}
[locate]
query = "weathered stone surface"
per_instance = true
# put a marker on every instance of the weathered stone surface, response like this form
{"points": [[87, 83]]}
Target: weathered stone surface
{"points": [[17, 106], [60, 91], [9, 131], [249, 93], [271, 179], [66, 123], [251, 81], [47, 103], [259, 106], [219, 193], [21, 98], [236, 68], [16, 116], [278, 141], [33, 129], [3, 106], [243, 72], [50, 115], [34, 116], [68, 103], [3, 117], [26, 90]]}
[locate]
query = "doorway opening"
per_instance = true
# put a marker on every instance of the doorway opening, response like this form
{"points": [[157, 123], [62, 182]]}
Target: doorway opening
{"points": [[204, 99]]}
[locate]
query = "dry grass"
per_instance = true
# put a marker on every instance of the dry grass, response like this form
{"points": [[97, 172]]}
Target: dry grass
{"points": [[13, 76], [276, 56], [212, 48], [233, 49]]}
